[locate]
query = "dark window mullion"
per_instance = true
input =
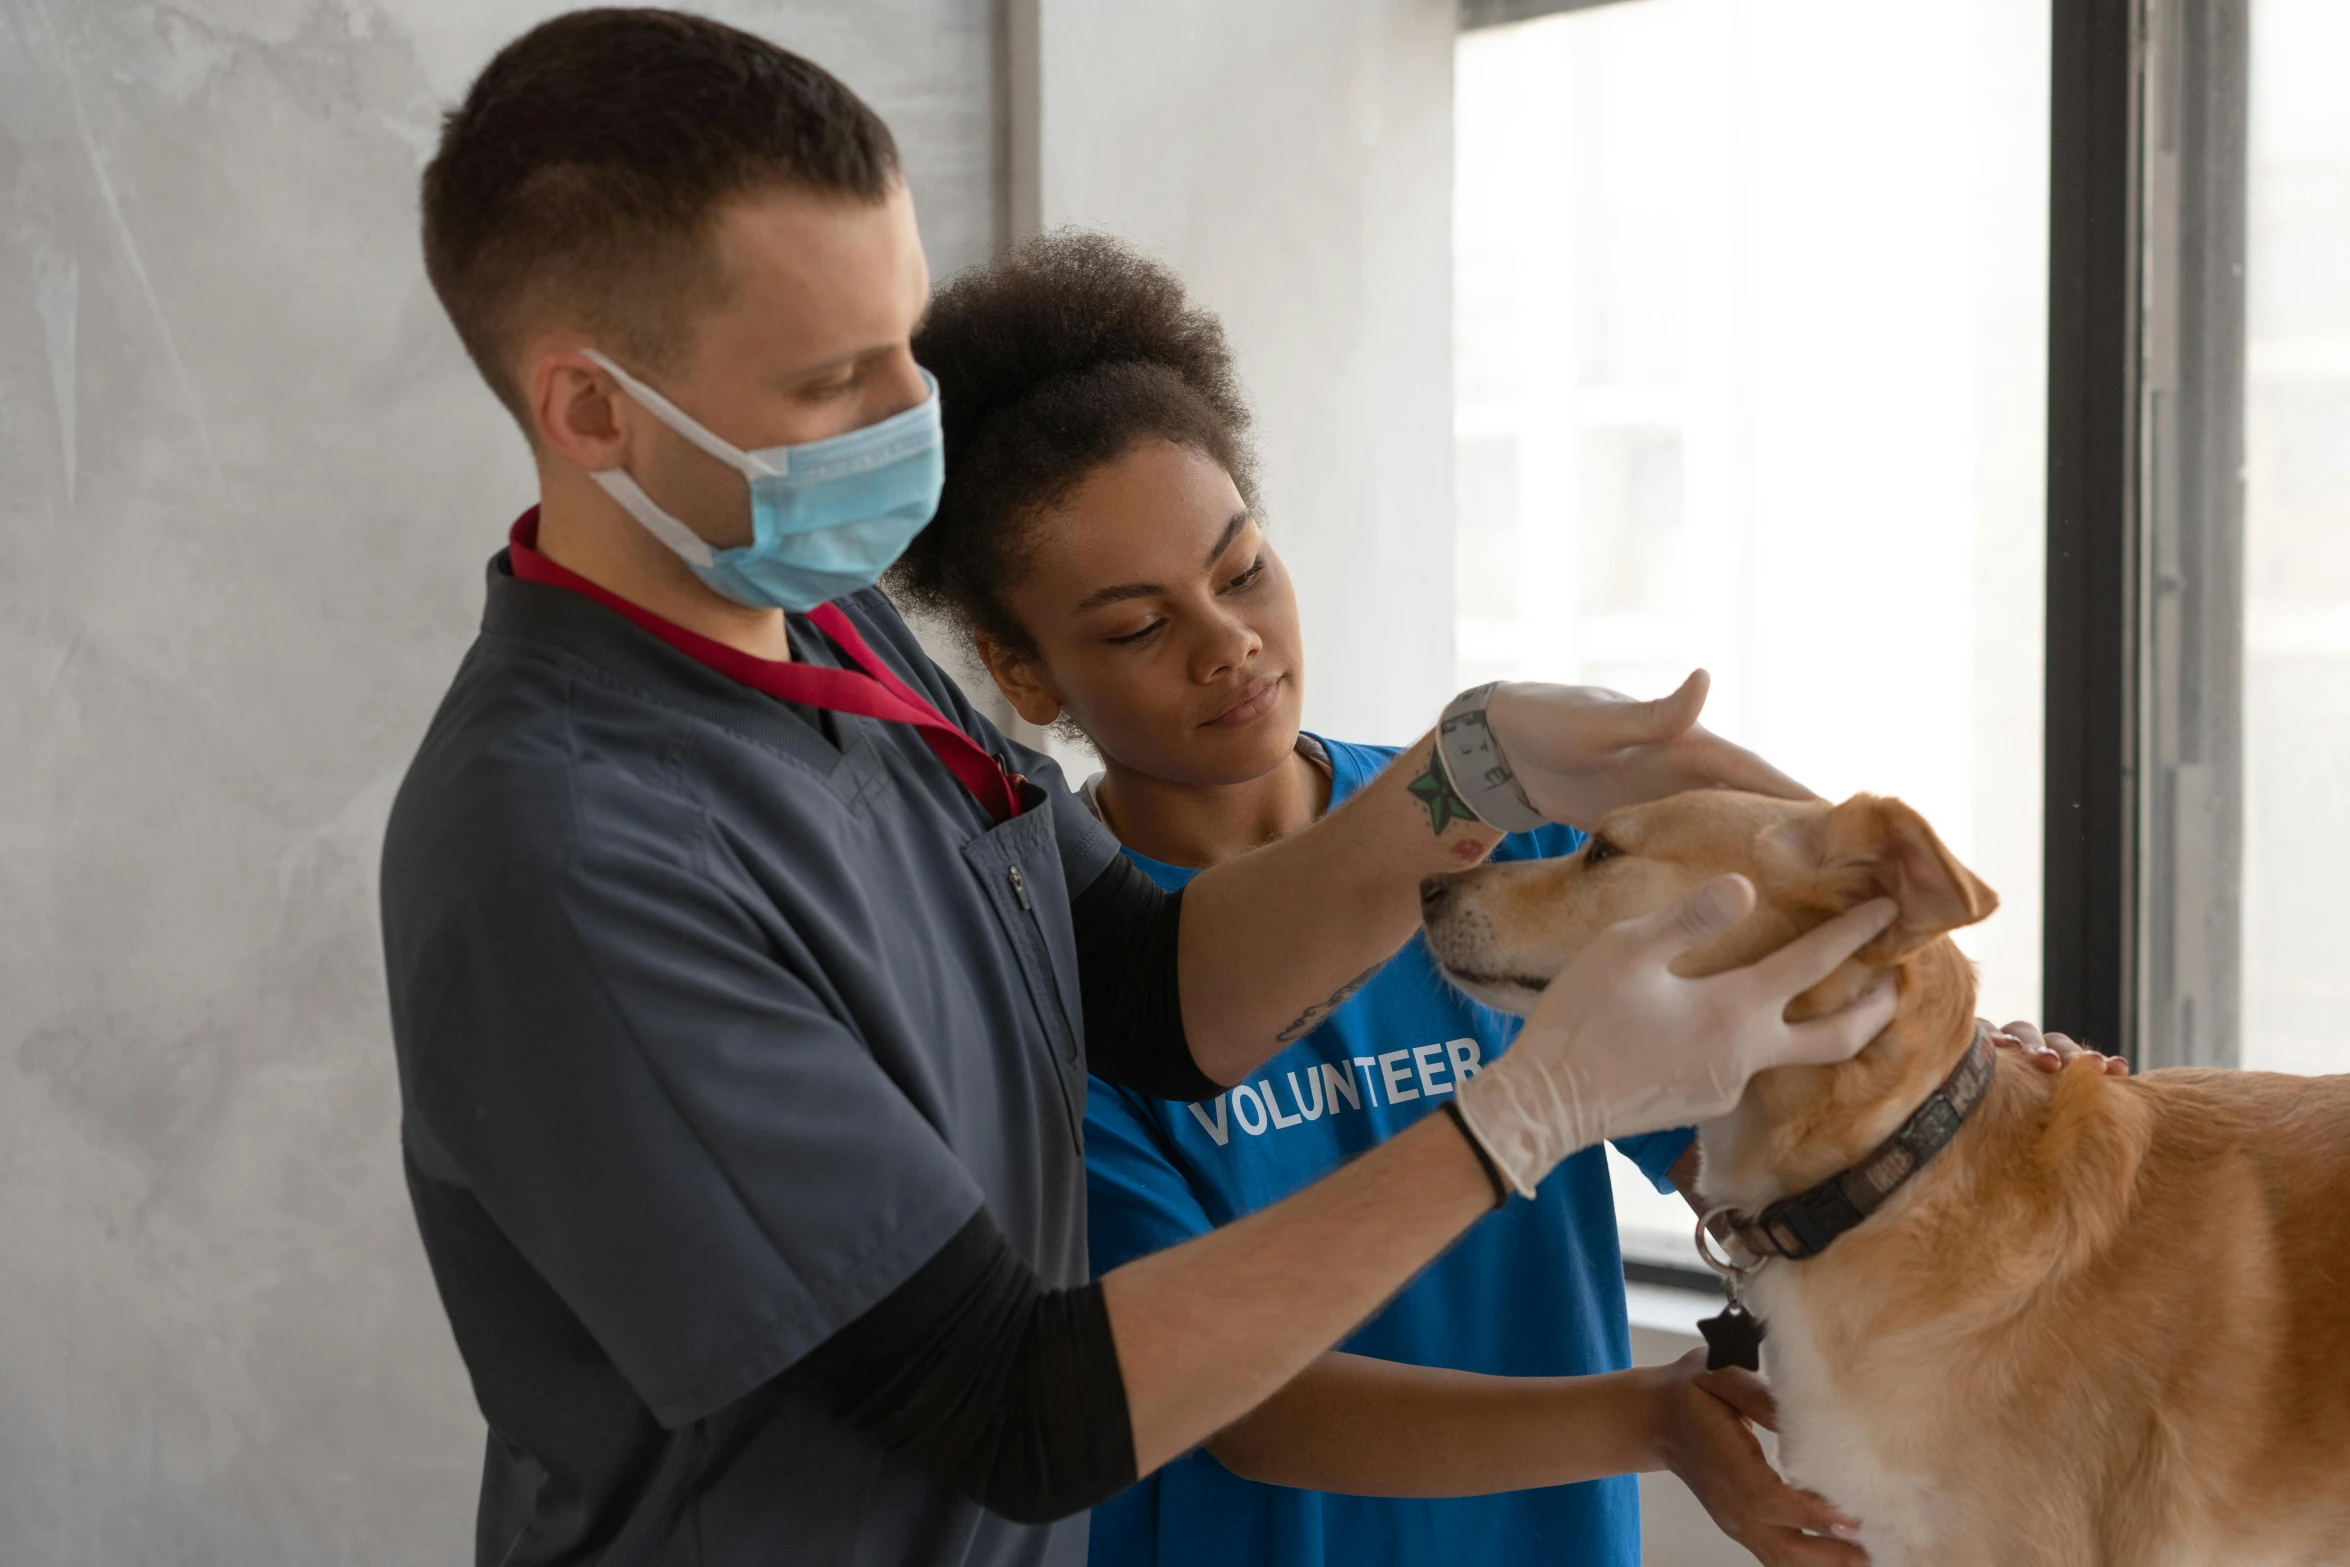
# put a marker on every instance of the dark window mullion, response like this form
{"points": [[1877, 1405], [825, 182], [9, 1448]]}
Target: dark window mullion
{"points": [[2089, 854]]}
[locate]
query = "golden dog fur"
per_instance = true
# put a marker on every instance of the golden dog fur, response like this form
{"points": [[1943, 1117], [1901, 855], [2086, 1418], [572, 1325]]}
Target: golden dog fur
{"points": [[2109, 1324]]}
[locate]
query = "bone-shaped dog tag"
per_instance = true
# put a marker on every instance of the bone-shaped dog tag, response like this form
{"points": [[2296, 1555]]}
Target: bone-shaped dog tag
{"points": [[1733, 1339]]}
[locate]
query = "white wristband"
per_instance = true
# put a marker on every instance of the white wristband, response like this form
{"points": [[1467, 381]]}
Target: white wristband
{"points": [[1480, 772]]}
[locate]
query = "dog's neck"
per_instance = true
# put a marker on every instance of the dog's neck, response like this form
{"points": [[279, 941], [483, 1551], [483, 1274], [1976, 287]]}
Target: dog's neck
{"points": [[2033, 1188], [1797, 1126]]}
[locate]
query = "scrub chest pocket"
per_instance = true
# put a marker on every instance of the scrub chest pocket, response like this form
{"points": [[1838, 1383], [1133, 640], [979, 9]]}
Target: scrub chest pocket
{"points": [[1019, 865]]}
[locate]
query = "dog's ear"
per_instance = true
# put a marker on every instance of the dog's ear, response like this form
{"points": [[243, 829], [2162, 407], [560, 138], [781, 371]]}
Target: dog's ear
{"points": [[1874, 847]]}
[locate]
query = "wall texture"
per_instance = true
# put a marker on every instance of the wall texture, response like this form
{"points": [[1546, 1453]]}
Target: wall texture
{"points": [[1294, 162], [249, 484], [249, 481]]}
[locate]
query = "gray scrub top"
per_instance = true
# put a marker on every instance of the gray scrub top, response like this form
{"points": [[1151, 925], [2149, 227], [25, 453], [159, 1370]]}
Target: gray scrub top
{"points": [[711, 1031]]}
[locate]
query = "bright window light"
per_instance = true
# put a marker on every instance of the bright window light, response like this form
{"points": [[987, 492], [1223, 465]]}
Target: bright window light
{"points": [[2297, 541], [1750, 360]]}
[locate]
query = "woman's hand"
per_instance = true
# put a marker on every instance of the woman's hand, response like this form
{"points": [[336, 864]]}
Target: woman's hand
{"points": [[1704, 1437], [2053, 1052], [1579, 752]]}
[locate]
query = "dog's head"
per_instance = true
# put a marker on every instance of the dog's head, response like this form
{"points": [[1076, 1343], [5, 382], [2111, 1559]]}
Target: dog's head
{"points": [[1501, 932]]}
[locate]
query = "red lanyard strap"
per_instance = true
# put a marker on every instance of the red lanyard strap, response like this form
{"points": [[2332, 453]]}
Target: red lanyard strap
{"points": [[991, 783], [872, 690]]}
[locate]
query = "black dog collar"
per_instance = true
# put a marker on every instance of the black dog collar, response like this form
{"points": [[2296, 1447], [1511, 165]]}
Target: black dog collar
{"points": [[1805, 1224]]}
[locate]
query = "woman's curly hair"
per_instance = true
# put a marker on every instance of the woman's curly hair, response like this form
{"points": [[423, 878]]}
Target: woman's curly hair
{"points": [[1052, 360]]}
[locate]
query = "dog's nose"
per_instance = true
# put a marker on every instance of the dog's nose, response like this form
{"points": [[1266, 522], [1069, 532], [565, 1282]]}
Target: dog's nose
{"points": [[1433, 892]]}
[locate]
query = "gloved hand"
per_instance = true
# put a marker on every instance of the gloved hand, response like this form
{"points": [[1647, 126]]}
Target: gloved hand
{"points": [[1579, 752], [1619, 1044]]}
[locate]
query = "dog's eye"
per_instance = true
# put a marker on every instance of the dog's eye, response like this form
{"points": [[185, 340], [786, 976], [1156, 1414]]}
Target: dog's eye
{"points": [[1599, 849]]}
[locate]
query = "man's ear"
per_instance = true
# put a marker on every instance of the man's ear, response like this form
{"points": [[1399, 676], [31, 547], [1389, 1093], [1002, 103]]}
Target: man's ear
{"points": [[573, 412], [1875, 847], [1015, 674]]}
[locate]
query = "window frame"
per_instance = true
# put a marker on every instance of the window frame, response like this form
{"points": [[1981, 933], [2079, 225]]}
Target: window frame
{"points": [[2143, 809], [1500, 13], [2143, 789]]}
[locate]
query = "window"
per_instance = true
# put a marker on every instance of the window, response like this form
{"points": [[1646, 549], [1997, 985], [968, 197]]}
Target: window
{"points": [[1750, 359], [2296, 990]]}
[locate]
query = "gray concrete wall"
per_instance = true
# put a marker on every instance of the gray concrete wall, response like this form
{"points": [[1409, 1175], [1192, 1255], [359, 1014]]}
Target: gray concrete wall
{"points": [[1294, 162], [247, 482]]}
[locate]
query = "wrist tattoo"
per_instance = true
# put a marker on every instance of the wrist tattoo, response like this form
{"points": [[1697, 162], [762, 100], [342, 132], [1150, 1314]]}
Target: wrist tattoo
{"points": [[1434, 790], [1308, 1020]]}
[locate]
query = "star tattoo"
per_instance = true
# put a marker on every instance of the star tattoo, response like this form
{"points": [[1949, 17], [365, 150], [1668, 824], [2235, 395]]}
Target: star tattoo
{"points": [[1434, 789]]}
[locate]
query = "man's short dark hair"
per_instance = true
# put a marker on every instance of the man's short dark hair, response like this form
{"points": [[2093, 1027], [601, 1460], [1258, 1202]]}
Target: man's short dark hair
{"points": [[579, 179]]}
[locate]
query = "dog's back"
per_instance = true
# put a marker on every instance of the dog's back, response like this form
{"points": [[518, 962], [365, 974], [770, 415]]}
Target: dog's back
{"points": [[2111, 1326], [2245, 1191]]}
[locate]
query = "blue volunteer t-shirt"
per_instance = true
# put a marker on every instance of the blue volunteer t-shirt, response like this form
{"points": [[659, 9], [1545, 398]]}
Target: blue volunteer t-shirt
{"points": [[1536, 1289]]}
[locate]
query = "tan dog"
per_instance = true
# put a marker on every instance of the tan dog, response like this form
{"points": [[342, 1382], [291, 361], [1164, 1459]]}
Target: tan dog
{"points": [[2109, 1323]]}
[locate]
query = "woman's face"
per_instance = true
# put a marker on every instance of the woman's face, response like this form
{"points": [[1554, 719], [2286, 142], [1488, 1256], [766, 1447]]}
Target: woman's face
{"points": [[1164, 623]]}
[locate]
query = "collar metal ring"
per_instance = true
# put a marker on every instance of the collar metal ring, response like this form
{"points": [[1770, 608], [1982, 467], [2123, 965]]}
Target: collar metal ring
{"points": [[1710, 1253]]}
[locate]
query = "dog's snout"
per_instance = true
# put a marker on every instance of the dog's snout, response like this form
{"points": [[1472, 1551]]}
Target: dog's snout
{"points": [[1433, 892]]}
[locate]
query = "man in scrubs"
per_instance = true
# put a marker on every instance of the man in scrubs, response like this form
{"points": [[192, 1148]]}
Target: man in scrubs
{"points": [[745, 981]]}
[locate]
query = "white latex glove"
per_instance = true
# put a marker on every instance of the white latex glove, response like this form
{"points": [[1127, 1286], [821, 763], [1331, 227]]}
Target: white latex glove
{"points": [[1582, 751], [1620, 1044]]}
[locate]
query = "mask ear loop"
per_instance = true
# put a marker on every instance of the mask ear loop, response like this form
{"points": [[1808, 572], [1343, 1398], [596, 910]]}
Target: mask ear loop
{"points": [[683, 423], [688, 545]]}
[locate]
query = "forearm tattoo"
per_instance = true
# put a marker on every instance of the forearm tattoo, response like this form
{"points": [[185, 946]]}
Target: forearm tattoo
{"points": [[1310, 1019], [1434, 789]]}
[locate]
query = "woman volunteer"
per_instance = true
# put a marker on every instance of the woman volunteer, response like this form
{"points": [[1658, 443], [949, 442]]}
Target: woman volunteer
{"points": [[745, 982], [1099, 537]]}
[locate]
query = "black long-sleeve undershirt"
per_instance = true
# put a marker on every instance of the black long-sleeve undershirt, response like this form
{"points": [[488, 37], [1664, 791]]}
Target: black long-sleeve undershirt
{"points": [[1005, 1390], [1127, 928], [1008, 1392]]}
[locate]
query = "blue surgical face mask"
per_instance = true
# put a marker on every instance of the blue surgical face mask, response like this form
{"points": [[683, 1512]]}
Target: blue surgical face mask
{"points": [[827, 517]]}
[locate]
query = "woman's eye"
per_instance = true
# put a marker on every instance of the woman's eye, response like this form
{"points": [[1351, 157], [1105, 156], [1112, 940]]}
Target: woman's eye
{"points": [[1599, 849], [1136, 636], [1245, 578]]}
